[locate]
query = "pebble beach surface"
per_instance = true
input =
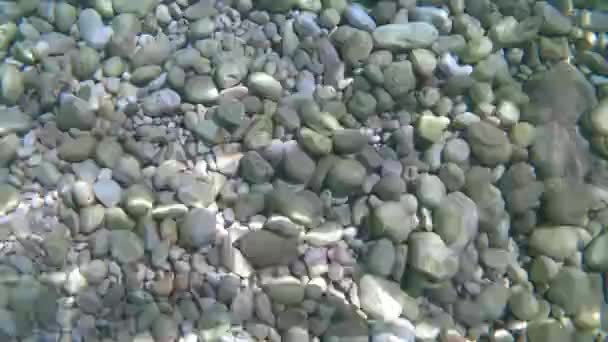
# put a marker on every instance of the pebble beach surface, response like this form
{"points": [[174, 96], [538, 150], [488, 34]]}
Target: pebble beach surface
{"points": [[303, 171]]}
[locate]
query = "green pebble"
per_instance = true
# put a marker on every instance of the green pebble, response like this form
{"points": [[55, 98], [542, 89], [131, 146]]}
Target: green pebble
{"points": [[85, 62], [126, 23], [176, 77], [145, 74], [476, 50], [11, 84], [522, 134], [329, 18], [338, 5], [104, 7], [596, 254], [431, 127], [113, 67], [65, 16], [314, 143]]}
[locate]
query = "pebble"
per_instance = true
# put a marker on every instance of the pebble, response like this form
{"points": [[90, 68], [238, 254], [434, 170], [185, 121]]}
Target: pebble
{"points": [[164, 101], [358, 18], [125, 246], [427, 253], [555, 242], [456, 151], [8, 327], [198, 229], [92, 29], [9, 198], [400, 329], [393, 220], [413, 35], [95, 271], [381, 257], [263, 248], [345, 177], [383, 299], [285, 290], [431, 191], [489, 144], [595, 256], [456, 220], [265, 85], [298, 166], [201, 89], [523, 304], [82, 194]]}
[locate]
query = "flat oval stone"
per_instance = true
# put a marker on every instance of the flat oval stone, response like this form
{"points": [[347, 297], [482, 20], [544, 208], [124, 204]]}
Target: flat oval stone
{"points": [[198, 228], [265, 85], [201, 89], [405, 36], [556, 242], [596, 254], [263, 248], [357, 17], [164, 101], [11, 84]]}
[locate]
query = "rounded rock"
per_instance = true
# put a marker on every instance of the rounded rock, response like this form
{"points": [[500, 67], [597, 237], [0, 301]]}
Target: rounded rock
{"points": [[11, 84], [489, 144], [265, 85], [198, 228], [405, 36], [201, 89], [431, 190], [345, 177], [357, 17], [298, 166]]}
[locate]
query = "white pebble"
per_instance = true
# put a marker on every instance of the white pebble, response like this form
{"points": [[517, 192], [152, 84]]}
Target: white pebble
{"points": [[450, 66], [508, 113]]}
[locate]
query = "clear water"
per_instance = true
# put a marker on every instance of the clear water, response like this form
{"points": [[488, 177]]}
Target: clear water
{"points": [[49, 286]]}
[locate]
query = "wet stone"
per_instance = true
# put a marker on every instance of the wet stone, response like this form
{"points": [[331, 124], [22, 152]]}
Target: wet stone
{"points": [[164, 101], [263, 248], [405, 36], [489, 144], [428, 254], [198, 228], [393, 220], [125, 246]]}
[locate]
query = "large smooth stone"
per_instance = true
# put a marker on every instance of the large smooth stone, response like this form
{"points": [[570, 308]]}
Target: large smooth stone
{"points": [[428, 254], [561, 94], [382, 299], [165, 101], [456, 220], [92, 29], [263, 248], [556, 242], [13, 120], [574, 290], [198, 228], [596, 254], [405, 36]]}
